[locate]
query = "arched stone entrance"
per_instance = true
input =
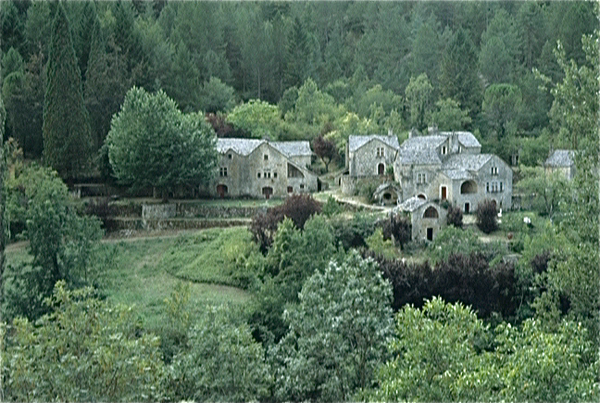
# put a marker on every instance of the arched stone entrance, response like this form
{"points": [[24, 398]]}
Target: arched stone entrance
{"points": [[468, 187], [380, 169]]}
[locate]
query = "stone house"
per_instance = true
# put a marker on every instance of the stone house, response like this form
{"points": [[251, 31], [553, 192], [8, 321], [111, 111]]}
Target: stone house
{"points": [[262, 168], [561, 161], [441, 166], [427, 218], [370, 155]]}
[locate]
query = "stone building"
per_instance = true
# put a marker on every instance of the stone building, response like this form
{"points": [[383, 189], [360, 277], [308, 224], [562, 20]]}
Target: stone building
{"points": [[426, 217], [370, 155], [440, 166], [561, 161], [262, 168]]}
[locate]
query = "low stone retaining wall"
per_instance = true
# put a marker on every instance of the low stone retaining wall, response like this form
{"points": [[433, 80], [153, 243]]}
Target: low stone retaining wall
{"points": [[191, 210], [158, 211], [172, 224]]}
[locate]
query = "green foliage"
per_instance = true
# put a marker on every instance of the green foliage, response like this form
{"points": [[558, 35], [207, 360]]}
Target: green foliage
{"points": [[61, 242], [547, 189], [257, 118], [223, 363], [337, 333], [487, 216], [66, 128], [380, 246], [453, 240], [449, 116], [351, 233], [215, 256], [216, 96], [331, 207], [418, 98], [12, 62], [152, 144], [99, 352], [434, 347], [501, 106]]}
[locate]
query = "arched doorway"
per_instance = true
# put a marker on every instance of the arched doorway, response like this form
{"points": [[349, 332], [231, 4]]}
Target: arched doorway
{"points": [[267, 191], [468, 187], [431, 212], [380, 169], [221, 190]]}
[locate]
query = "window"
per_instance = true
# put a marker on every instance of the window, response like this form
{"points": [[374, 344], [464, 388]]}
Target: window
{"points": [[444, 150], [268, 175], [290, 189], [459, 149], [487, 187], [380, 152], [229, 156], [258, 175], [266, 157], [223, 171], [421, 178], [501, 186], [302, 186], [494, 170], [274, 174]]}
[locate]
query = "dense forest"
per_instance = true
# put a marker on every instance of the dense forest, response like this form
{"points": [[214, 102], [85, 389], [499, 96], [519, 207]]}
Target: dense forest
{"points": [[310, 300], [297, 70]]}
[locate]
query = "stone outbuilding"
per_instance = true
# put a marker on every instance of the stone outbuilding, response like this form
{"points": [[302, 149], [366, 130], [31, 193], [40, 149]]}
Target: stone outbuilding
{"points": [[370, 155], [427, 218], [388, 194], [562, 161], [262, 168]]}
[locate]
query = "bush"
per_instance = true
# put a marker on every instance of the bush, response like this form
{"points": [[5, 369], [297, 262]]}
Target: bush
{"points": [[331, 207], [455, 216], [353, 233], [299, 208], [366, 189], [487, 216], [99, 208], [398, 228]]}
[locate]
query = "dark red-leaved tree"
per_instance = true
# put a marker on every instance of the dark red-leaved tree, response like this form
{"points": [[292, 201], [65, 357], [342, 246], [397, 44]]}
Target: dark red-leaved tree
{"points": [[325, 149]]}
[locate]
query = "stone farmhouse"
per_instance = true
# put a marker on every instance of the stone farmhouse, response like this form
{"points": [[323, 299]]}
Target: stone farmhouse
{"points": [[435, 168], [561, 161], [262, 168]]}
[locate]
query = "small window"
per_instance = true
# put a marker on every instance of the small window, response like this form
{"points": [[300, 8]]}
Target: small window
{"points": [[302, 186], [380, 152], [444, 150], [421, 178], [274, 174], [290, 189], [223, 171], [266, 157], [229, 156], [501, 186], [494, 170], [258, 175], [459, 149], [268, 174], [487, 187]]}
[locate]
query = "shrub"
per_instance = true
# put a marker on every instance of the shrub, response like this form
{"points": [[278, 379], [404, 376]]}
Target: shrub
{"points": [[352, 233], [366, 189], [331, 207], [299, 208], [99, 208], [455, 216], [398, 228], [487, 216]]}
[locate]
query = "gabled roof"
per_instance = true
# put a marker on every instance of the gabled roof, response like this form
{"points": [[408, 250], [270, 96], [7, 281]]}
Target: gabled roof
{"points": [[292, 148], [560, 158], [418, 156], [356, 142], [466, 162], [245, 147], [240, 146], [411, 204], [467, 139]]}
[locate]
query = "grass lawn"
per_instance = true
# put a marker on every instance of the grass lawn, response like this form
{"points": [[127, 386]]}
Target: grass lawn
{"points": [[136, 276]]}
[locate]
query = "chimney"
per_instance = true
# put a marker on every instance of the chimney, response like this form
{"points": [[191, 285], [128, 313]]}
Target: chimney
{"points": [[390, 132]]}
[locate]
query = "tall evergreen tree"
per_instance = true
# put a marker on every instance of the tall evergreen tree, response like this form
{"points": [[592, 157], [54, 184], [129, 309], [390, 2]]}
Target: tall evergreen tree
{"points": [[458, 73], [66, 129], [2, 203]]}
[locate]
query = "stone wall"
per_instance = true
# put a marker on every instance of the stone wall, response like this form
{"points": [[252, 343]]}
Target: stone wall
{"points": [[191, 210], [138, 224], [158, 211]]}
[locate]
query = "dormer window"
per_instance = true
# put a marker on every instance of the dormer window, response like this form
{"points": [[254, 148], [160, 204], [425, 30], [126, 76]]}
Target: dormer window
{"points": [[444, 150]]}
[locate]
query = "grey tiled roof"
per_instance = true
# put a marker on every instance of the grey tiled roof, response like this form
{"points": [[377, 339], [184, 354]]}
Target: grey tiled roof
{"points": [[469, 162], [292, 148], [411, 204], [356, 142], [560, 158], [465, 138], [240, 146], [247, 146], [457, 174], [418, 156], [432, 141]]}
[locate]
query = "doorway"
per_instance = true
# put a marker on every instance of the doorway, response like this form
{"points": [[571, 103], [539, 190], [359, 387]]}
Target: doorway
{"points": [[467, 208], [267, 192], [380, 169], [444, 193], [221, 191], [430, 234]]}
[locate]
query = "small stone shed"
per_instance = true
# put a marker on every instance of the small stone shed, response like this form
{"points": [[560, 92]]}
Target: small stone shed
{"points": [[388, 194], [561, 161], [426, 217]]}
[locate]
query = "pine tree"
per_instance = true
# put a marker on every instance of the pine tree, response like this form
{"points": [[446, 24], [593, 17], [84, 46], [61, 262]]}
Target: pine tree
{"points": [[66, 129]]}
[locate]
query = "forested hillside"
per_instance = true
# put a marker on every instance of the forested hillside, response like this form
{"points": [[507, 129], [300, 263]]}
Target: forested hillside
{"points": [[330, 68]]}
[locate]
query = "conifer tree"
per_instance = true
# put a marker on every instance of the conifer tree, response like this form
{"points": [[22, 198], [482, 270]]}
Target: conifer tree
{"points": [[66, 129], [2, 202]]}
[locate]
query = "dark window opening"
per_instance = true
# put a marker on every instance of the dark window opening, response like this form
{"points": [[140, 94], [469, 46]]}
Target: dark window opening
{"points": [[468, 187], [431, 212], [430, 234]]}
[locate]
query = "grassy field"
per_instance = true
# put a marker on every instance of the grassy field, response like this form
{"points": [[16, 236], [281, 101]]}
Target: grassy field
{"points": [[137, 276]]}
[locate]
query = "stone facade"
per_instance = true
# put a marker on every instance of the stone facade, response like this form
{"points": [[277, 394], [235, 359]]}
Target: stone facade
{"points": [[561, 161], [370, 155], [443, 166], [262, 169], [427, 218]]}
